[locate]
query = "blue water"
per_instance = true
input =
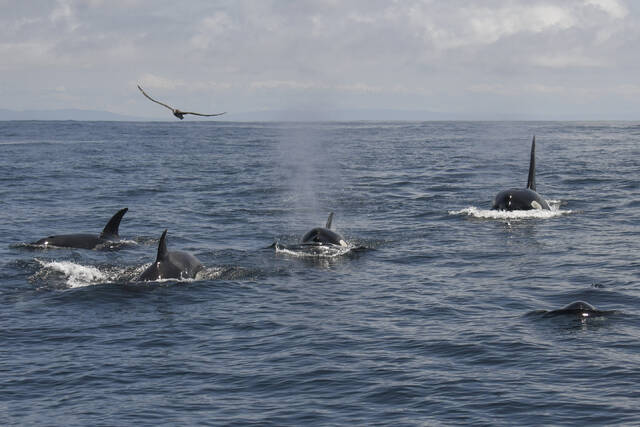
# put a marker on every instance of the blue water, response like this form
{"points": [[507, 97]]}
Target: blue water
{"points": [[435, 320]]}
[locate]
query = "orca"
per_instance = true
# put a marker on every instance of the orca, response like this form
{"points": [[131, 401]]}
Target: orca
{"points": [[171, 264], [323, 235], [516, 199], [87, 241], [581, 309]]}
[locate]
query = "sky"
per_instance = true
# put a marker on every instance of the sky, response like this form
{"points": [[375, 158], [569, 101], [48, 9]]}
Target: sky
{"points": [[484, 59]]}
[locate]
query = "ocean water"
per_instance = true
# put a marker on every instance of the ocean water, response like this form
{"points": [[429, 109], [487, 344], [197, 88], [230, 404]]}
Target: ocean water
{"points": [[433, 315]]}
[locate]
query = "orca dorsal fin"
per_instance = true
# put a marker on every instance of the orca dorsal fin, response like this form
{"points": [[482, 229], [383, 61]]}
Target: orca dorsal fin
{"points": [[162, 247], [111, 229], [329, 221], [531, 181]]}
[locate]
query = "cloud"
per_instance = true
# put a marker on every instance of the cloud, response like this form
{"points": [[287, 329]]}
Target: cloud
{"points": [[64, 13], [18, 55], [285, 84], [244, 53], [158, 82], [614, 8], [155, 81], [475, 24], [212, 29], [567, 60]]}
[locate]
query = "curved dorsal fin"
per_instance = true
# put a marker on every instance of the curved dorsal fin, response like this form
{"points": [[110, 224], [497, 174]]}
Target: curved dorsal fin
{"points": [[162, 247], [111, 229], [329, 221], [531, 181]]}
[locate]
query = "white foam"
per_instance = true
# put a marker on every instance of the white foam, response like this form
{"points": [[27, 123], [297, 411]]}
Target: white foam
{"points": [[127, 242], [171, 280], [204, 274], [77, 275], [313, 251], [533, 213], [209, 273]]}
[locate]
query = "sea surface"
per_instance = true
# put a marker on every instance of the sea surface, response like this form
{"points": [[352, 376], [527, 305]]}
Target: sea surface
{"points": [[433, 315]]}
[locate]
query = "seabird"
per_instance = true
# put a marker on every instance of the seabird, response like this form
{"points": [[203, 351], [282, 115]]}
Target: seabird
{"points": [[179, 114]]}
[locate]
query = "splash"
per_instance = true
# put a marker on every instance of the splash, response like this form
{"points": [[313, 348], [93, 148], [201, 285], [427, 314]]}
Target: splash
{"points": [[209, 273], [313, 251], [67, 274], [475, 212], [227, 273], [76, 275]]}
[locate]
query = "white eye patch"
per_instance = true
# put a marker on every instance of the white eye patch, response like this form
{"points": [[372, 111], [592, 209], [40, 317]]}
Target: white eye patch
{"points": [[536, 205]]}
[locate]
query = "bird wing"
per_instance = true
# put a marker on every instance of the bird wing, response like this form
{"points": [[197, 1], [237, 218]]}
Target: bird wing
{"points": [[200, 114], [157, 102]]}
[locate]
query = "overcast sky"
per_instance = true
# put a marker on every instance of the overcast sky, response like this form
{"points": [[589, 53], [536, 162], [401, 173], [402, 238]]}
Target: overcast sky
{"points": [[485, 58]]}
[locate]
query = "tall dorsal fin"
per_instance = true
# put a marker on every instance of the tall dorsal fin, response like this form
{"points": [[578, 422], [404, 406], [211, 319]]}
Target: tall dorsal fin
{"points": [[329, 220], [162, 247], [531, 181], [111, 229]]}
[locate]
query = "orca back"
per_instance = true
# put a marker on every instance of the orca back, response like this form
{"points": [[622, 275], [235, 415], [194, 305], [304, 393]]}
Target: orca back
{"points": [[516, 199], [80, 241], [324, 235], [86, 241], [578, 308], [171, 265]]}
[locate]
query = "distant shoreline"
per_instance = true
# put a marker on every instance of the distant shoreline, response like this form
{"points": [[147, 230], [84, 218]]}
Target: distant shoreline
{"points": [[307, 116]]}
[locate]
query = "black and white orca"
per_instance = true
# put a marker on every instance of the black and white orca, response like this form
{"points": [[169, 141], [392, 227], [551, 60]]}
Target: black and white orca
{"points": [[516, 199], [324, 235], [87, 241], [171, 264], [581, 309]]}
